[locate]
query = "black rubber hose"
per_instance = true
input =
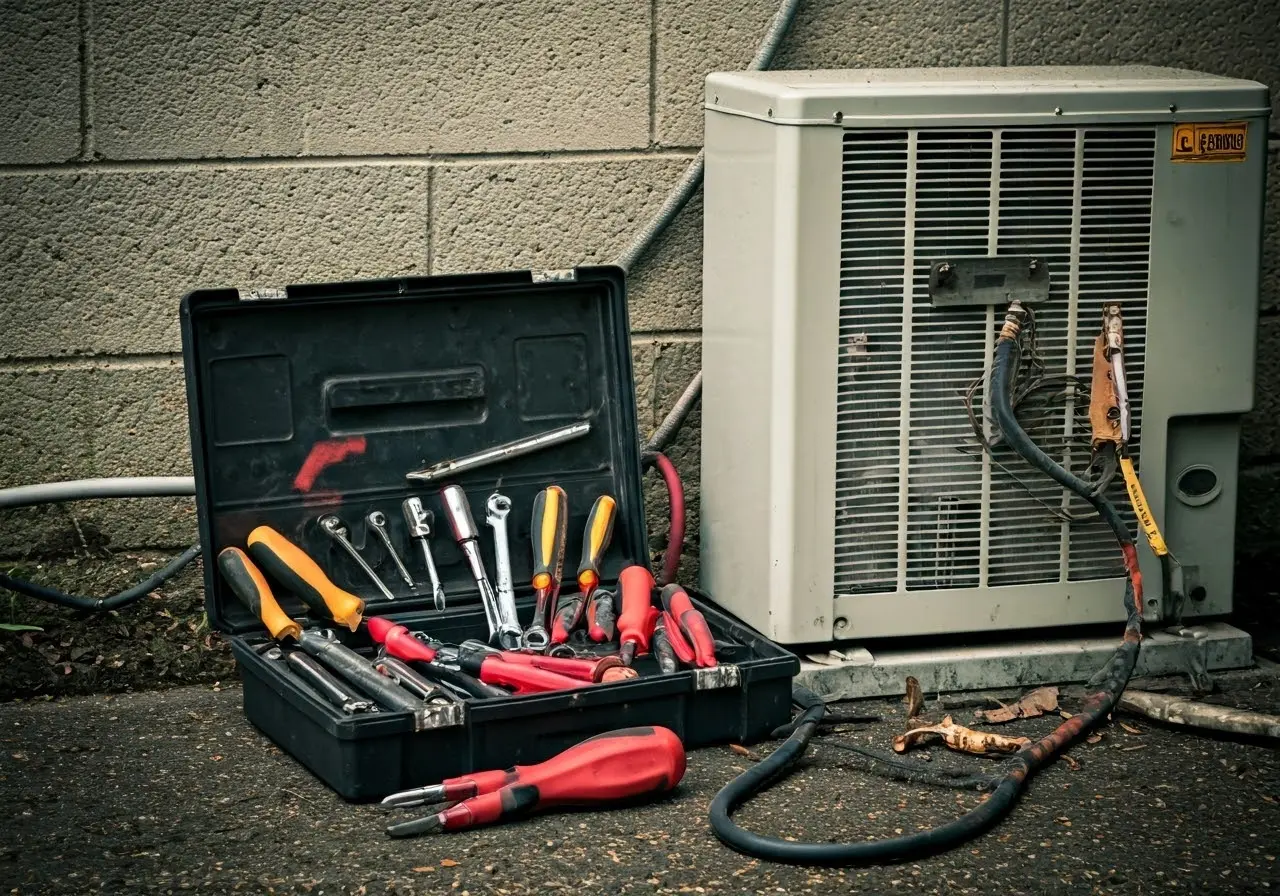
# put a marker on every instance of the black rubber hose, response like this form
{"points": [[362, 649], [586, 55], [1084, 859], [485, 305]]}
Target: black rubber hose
{"points": [[1012, 775], [102, 604]]}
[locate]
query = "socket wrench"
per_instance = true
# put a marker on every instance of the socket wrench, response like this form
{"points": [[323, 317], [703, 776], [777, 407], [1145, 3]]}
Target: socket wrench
{"points": [[496, 510], [458, 509]]}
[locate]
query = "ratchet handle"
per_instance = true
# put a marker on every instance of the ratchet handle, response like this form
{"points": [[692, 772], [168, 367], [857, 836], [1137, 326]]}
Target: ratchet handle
{"points": [[291, 567], [548, 530], [249, 585], [595, 541]]}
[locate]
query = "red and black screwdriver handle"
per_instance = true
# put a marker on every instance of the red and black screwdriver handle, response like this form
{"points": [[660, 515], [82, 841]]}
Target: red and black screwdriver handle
{"points": [[607, 768], [675, 600]]}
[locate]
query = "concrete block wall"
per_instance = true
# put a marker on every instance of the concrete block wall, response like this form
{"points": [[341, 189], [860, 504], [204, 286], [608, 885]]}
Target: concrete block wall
{"points": [[147, 149]]}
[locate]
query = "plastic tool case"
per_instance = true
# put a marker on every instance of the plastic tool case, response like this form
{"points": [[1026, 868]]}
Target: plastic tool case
{"points": [[318, 399]]}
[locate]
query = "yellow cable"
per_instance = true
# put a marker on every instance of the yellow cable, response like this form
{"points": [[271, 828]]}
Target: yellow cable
{"points": [[1145, 517]]}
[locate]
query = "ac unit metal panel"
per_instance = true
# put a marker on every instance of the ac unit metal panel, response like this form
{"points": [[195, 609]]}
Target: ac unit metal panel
{"points": [[870, 510]]}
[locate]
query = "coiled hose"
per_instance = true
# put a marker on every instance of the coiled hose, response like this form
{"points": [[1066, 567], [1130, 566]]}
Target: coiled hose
{"points": [[1007, 780]]}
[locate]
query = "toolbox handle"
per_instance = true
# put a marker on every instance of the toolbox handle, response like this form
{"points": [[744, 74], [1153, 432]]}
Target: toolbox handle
{"points": [[419, 387]]}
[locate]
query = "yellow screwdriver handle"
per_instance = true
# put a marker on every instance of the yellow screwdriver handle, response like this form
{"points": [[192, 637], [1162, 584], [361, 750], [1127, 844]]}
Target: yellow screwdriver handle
{"points": [[550, 524], [595, 541], [248, 584], [290, 566]]}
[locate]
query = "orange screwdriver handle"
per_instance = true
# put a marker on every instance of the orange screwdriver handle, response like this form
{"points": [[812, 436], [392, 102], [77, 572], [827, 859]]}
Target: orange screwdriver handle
{"points": [[290, 566], [608, 768], [399, 642], [676, 602], [636, 585], [248, 584], [595, 541]]}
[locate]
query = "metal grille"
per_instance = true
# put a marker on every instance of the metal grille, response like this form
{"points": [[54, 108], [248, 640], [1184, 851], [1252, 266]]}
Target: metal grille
{"points": [[919, 505]]}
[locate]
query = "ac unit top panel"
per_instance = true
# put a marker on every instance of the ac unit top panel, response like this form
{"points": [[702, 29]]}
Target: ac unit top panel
{"points": [[1004, 95]]}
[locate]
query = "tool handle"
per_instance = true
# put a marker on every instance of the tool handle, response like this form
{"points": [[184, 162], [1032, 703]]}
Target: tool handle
{"points": [[290, 566], [661, 648], [461, 681], [676, 602], [547, 532], [619, 765], [602, 617], [567, 618], [636, 584], [397, 639], [595, 541], [492, 669], [675, 637], [581, 669], [248, 584]]}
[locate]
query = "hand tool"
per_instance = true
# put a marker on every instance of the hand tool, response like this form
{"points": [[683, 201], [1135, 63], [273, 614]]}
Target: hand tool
{"points": [[635, 584], [404, 675], [547, 532], [401, 644], [496, 510], [377, 521], [419, 520], [661, 649], [595, 541], [675, 637], [502, 452], [604, 668], [327, 685], [604, 769], [290, 566], [339, 658], [460, 682], [333, 527], [692, 623], [246, 580], [491, 668], [458, 509], [602, 615]]}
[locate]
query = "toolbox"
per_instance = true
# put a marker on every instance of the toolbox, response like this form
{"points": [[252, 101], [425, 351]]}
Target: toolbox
{"points": [[314, 400]]}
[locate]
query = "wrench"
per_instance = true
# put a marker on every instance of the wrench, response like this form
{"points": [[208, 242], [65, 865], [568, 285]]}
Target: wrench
{"points": [[496, 510], [419, 520], [338, 532], [377, 521], [458, 509], [330, 687]]}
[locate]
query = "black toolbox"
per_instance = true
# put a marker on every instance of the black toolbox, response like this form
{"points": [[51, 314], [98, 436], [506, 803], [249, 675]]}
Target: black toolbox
{"points": [[318, 399]]}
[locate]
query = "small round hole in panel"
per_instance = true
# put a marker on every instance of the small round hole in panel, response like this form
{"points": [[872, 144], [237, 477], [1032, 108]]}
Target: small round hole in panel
{"points": [[1197, 485]]}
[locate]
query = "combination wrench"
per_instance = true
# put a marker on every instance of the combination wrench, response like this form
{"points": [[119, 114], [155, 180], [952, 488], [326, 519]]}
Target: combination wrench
{"points": [[457, 508], [377, 521], [333, 527], [496, 510]]}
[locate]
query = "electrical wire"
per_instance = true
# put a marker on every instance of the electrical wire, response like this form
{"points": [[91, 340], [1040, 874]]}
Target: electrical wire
{"points": [[1010, 777], [675, 497], [103, 604]]}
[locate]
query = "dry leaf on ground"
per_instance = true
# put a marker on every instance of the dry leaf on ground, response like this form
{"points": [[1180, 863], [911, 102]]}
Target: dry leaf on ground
{"points": [[957, 737], [914, 698], [1036, 703]]}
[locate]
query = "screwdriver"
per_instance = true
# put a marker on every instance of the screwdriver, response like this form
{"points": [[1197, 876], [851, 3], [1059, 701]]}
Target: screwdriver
{"points": [[691, 622], [246, 581], [680, 645], [595, 541], [635, 584], [661, 647], [601, 617], [547, 532], [290, 566], [604, 668], [607, 768]]}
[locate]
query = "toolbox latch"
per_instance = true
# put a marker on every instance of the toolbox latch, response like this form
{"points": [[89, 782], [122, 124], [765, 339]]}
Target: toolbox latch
{"points": [[725, 675], [563, 275], [449, 715], [262, 293]]}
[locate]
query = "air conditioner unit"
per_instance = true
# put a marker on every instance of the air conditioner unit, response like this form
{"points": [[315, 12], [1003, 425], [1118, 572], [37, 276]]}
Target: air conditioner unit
{"points": [[845, 494]]}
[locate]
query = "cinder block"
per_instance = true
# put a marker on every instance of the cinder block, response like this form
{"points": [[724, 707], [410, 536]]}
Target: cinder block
{"points": [[125, 419], [1261, 430], [96, 263], [1257, 525], [39, 81], [665, 288], [674, 364], [229, 78], [722, 35], [1239, 39], [565, 213]]}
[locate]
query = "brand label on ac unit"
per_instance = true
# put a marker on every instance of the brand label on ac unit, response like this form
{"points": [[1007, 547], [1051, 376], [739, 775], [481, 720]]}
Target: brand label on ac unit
{"points": [[1225, 142]]}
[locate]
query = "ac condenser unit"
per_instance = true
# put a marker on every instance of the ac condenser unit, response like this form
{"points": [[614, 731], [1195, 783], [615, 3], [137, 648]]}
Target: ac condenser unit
{"points": [[846, 492]]}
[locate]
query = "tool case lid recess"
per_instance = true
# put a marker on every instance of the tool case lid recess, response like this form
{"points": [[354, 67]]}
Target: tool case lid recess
{"points": [[311, 400]]}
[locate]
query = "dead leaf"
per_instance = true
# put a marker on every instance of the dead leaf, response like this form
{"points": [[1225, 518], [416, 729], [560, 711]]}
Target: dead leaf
{"points": [[1131, 749], [743, 751], [957, 737], [1071, 762], [447, 863], [424, 869], [1094, 739], [1066, 715], [914, 698], [1036, 703], [1127, 727]]}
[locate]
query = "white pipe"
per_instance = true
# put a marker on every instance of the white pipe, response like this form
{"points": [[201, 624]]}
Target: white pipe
{"points": [[82, 489]]}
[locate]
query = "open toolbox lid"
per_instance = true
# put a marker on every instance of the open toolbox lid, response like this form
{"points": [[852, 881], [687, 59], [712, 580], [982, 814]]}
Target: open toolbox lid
{"points": [[318, 399]]}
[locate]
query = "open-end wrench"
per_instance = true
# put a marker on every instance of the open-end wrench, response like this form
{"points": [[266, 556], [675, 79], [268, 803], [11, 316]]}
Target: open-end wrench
{"points": [[338, 532], [377, 521], [457, 508], [419, 520], [496, 510]]}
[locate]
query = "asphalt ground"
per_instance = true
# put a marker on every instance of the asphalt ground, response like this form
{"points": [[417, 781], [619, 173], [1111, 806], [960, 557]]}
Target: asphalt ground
{"points": [[170, 791]]}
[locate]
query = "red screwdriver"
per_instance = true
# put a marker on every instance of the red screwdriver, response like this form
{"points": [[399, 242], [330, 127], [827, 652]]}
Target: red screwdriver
{"points": [[635, 584], [606, 768], [691, 623]]}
